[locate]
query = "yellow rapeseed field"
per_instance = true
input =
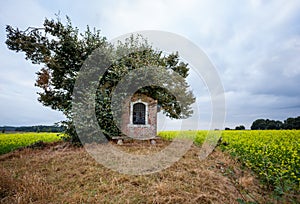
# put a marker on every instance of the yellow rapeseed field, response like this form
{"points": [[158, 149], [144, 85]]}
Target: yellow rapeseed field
{"points": [[273, 154], [11, 141]]}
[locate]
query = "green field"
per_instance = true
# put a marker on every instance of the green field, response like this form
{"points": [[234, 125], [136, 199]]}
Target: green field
{"points": [[12, 141], [273, 154]]}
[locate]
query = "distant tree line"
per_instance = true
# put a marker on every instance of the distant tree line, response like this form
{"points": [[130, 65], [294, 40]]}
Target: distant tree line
{"points": [[240, 127], [38, 128], [266, 124]]}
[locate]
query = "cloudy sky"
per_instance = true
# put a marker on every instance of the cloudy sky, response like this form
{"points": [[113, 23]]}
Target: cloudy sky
{"points": [[254, 45]]}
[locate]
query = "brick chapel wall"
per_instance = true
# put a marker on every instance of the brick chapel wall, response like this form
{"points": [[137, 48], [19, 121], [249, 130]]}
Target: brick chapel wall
{"points": [[140, 131]]}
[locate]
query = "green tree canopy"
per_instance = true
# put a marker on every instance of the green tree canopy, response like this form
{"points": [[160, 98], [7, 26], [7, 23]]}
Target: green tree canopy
{"points": [[240, 127], [61, 50], [267, 124]]}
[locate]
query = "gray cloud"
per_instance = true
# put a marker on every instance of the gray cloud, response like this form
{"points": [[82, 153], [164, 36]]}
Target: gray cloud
{"points": [[254, 46]]}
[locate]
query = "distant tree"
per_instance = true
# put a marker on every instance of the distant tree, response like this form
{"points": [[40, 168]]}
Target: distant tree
{"points": [[241, 127], [41, 128], [297, 123], [267, 124], [3, 130], [292, 123], [227, 128], [289, 123], [259, 124], [7, 128], [273, 125], [61, 50]]}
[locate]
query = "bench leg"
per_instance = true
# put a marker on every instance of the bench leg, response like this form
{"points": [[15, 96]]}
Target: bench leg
{"points": [[120, 142], [153, 142]]}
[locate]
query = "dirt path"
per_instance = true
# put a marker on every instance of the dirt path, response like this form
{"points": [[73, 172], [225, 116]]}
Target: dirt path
{"points": [[60, 173]]}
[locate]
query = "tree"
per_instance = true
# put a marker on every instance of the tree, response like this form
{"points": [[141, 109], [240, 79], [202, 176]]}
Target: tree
{"points": [[297, 123], [267, 124], [61, 51], [273, 125], [259, 124], [241, 127], [292, 123]]}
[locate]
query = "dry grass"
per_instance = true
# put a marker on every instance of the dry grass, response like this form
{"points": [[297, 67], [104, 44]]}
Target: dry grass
{"points": [[26, 189], [61, 173]]}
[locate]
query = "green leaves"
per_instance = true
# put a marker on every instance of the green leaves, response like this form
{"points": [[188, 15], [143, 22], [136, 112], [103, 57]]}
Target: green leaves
{"points": [[62, 50]]}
